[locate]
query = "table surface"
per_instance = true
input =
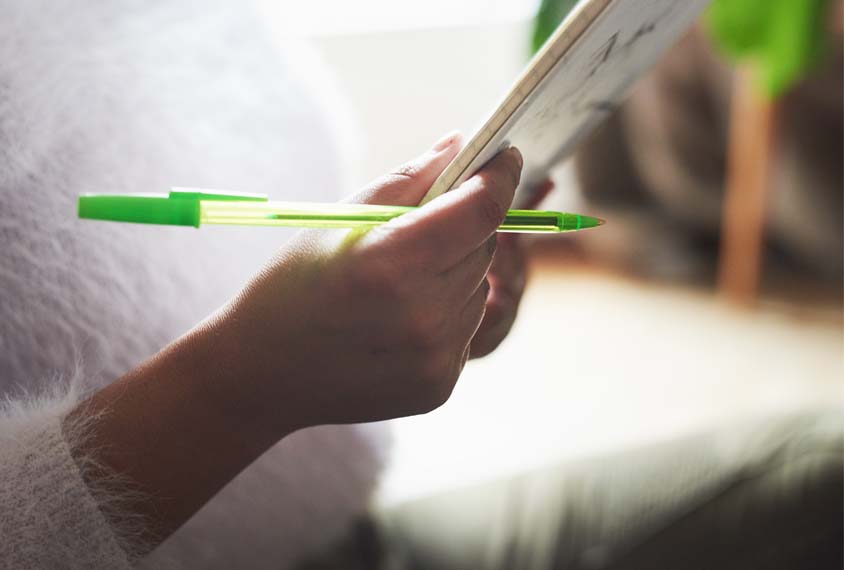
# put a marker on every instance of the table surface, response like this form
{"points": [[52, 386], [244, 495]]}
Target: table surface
{"points": [[647, 363]]}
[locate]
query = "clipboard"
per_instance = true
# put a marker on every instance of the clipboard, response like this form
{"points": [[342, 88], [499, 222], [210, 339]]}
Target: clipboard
{"points": [[574, 81]]}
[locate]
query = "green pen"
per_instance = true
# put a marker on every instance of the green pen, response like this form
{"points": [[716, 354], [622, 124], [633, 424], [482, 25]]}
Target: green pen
{"points": [[194, 207]]}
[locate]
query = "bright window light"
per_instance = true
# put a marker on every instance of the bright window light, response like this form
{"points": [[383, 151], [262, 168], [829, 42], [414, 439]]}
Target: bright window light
{"points": [[342, 16]]}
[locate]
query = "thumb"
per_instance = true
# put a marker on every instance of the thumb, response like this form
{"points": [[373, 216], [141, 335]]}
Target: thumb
{"points": [[408, 184]]}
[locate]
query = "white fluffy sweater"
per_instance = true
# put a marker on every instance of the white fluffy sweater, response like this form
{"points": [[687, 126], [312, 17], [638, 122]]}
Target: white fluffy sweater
{"points": [[138, 96]]}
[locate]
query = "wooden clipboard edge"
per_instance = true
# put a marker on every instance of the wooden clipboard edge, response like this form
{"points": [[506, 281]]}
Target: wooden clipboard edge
{"points": [[566, 35]]}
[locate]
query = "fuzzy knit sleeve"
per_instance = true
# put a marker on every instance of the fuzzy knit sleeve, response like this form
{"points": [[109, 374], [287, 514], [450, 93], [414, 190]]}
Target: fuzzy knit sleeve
{"points": [[49, 516]]}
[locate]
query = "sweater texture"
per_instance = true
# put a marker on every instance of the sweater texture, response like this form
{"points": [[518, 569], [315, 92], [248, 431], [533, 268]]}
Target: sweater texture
{"points": [[131, 96]]}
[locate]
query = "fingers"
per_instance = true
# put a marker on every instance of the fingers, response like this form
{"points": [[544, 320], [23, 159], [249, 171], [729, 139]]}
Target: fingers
{"points": [[501, 308], [461, 280], [409, 183], [510, 242], [500, 314], [442, 233], [509, 268], [473, 313], [507, 276]]}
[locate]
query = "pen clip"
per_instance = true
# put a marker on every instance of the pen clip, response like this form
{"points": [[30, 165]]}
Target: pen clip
{"points": [[221, 195], [181, 207]]}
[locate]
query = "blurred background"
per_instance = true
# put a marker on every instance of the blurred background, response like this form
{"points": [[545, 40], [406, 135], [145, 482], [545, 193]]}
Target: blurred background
{"points": [[665, 321]]}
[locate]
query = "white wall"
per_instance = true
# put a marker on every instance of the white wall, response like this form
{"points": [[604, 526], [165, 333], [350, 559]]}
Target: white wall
{"points": [[408, 88], [409, 85]]}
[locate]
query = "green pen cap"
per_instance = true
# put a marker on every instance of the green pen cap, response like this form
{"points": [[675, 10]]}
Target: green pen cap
{"points": [[178, 208]]}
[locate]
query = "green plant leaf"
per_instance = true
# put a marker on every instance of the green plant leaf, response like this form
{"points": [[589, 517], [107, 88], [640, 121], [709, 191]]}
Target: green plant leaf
{"points": [[784, 39], [551, 13]]}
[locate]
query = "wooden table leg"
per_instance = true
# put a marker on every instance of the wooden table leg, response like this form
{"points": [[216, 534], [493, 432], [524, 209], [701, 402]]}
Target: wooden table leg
{"points": [[751, 149]]}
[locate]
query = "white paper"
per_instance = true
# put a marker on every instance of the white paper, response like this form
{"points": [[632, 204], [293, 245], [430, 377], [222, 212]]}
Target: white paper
{"points": [[575, 81]]}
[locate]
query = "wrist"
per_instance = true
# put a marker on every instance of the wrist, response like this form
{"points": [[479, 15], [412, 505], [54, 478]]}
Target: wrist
{"points": [[184, 423], [231, 373]]}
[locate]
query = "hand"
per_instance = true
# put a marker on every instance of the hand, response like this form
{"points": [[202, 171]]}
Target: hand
{"points": [[507, 278], [337, 328], [353, 328]]}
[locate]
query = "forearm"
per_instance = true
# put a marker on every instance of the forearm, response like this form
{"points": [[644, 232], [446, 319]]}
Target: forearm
{"points": [[326, 333], [178, 428]]}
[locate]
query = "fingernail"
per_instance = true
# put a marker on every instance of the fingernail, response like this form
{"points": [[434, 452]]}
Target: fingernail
{"points": [[487, 288], [446, 141], [517, 154]]}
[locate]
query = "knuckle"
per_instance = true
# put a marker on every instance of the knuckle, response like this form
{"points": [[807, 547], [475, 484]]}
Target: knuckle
{"points": [[482, 348], [438, 378], [382, 234], [427, 329], [443, 392], [407, 171], [491, 210]]}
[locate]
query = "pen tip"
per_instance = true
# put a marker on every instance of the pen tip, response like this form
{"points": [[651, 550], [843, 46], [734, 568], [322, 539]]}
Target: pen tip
{"points": [[584, 222]]}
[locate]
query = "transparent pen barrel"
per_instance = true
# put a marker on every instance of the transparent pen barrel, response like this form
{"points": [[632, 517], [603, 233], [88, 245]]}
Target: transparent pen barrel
{"points": [[301, 214], [298, 214]]}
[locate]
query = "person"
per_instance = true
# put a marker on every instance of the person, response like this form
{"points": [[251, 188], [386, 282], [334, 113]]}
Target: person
{"points": [[152, 99], [179, 448], [396, 309]]}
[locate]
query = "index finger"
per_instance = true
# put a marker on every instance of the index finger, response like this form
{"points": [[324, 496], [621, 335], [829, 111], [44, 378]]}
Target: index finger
{"points": [[443, 232]]}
